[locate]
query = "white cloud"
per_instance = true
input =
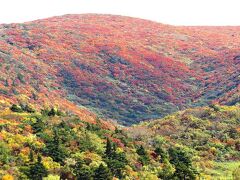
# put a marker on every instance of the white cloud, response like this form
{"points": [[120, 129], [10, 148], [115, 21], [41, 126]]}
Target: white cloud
{"points": [[178, 12]]}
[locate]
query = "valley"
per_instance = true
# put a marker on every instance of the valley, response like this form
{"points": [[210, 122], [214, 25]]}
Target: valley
{"points": [[97, 97]]}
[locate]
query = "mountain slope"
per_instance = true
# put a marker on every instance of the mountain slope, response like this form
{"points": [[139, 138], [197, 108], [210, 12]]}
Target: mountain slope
{"points": [[122, 68], [211, 132], [195, 143]]}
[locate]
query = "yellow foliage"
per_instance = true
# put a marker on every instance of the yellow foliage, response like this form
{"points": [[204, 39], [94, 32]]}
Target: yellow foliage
{"points": [[119, 150], [213, 150], [49, 164], [130, 173], [52, 177], [236, 174], [205, 177], [145, 175], [23, 98], [7, 177], [95, 159]]}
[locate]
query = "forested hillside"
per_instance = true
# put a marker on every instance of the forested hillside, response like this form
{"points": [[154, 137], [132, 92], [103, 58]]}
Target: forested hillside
{"points": [[102, 97], [121, 68], [210, 134], [52, 144]]}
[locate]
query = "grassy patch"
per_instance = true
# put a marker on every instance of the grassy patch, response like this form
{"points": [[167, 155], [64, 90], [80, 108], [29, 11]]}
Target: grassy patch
{"points": [[223, 170]]}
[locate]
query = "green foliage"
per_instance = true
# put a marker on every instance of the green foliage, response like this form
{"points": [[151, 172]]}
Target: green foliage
{"points": [[22, 108], [144, 158], [109, 149], [52, 177], [215, 107], [225, 170], [5, 155], [162, 153], [89, 141], [83, 172], [182, 161], [102, 173], [52, 112], [31, 156], [16, 108], [92, 127], [28, 109], [116, 161], [74, 149], [55, 149], [38, 171], [21, 78], [167, 171], [38, 126], [236, 173]]}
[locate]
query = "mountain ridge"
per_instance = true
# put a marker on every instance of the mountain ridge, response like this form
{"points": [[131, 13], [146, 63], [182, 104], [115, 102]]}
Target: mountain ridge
{"points": [[122, 68], [63, 79]]}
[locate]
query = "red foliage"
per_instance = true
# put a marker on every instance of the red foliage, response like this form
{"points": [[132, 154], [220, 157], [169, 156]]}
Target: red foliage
{"points": [[119, 59]]}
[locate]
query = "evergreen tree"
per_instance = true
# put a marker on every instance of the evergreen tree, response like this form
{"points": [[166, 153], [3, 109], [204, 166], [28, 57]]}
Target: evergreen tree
{"points": [[6, 83], [84, 173], [45, 111], [30, 156], [182, 162], [102, 173], [109, 150], [162, 153], [16, 108], [114, 150], [215, 107], [28, 109], [144, 158], [167, 170], [115, 161], [141, 151], [52, 112], [118, 131], [38, 171], [55, 149], [38, 126]]}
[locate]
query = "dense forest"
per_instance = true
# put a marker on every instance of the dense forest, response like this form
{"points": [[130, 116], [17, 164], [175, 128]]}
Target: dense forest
{"points": [[53, 144], [102, 97], [121, 68]]}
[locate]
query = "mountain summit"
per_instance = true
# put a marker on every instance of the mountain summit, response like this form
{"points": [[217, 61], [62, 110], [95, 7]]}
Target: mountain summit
{"points": [[121, 68]]}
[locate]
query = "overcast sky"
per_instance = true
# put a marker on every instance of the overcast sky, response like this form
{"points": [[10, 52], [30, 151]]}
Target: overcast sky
{"points": [[175, 12]]}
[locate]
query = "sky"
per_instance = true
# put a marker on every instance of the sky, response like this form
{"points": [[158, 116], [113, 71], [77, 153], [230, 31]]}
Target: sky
{"points": [[174, 12]]}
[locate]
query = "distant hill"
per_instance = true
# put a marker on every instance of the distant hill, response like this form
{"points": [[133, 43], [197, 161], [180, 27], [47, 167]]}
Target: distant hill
{"points": [[121, 68]]}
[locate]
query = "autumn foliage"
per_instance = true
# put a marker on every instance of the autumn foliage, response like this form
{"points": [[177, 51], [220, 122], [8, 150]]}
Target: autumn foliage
{"points": [[123, 68]]}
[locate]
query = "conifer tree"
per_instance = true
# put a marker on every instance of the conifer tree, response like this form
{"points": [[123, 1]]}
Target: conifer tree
{"points": [[38, 171], [116, 161], [84, 173], [31, 157], [162, 153], [182, 161], [144, 158], [38, 126], [16, 108], [102, 173], [52, 112], [55, 149], [109, 150]]}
